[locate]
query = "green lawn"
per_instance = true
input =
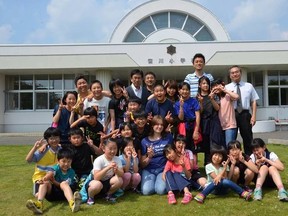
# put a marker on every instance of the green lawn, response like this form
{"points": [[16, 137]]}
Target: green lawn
{"points": [[16, 188]]}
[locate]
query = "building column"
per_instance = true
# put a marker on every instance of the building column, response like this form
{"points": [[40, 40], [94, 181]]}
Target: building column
{"points": [[104, 76], [244, 75], [2, 105]]}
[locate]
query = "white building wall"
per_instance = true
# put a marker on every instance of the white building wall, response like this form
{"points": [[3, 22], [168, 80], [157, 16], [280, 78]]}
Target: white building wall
{"points": [[2, 103]]}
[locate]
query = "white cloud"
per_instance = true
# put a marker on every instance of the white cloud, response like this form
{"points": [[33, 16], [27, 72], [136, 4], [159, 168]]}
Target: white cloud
{"points": [[255, 17], [88, 21], [5, 33]]}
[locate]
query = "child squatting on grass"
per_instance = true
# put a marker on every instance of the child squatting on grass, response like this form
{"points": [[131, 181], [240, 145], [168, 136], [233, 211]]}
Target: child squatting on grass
{"points": [[269, 166], [45, 160], [217, 178]]}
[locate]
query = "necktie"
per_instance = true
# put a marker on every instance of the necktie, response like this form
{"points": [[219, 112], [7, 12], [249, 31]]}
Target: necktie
{"points": [[239, 107]]}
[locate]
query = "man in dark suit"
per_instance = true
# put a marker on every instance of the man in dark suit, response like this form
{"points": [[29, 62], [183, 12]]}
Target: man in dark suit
{"points": [[136, 90]]}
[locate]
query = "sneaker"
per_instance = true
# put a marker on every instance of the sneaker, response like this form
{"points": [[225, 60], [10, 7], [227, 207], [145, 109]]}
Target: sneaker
{"points": [[35, 206], [171, 198], [187, 198], [118, 193], [90, 201], [77, 202], [246, 195], [110, 198], [283, 195], [199, 198], [247, 188], [257, 194]]}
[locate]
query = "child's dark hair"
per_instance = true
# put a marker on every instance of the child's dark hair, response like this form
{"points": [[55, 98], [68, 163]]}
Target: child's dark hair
{"points": [[66, 95], [96, 81], [257, 143], [115, 82], [233, 144], [125, 142], [217, 149], [168, 148], [135, 100], [51, 132], [123, 125], [75, 131], [159, 85], [110, 140], [201, 80], [218, 82], [140, 114], [65, 153], [182, 84], [81, 76], [91, 111], [181, 138]]}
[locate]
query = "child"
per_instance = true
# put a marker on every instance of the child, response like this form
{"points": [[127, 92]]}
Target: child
{"points": [[217, 179], [269, 166], [64, 115], [92, 127], [208, 114], [140, 128], [83, 153], [197, 180], [62, 183], [226, 111], [241, 165], [118, 103], [45, 160], [130, 163], [134, 105], [171, 87], [160, 105], [107, 174], [188, 111], [100, 101], [176, 174]]}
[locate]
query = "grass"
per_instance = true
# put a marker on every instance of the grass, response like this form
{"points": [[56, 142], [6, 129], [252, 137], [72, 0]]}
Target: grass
{"points": [[16, 188]]}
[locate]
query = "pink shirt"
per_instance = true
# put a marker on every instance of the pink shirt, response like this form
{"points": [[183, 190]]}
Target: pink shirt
{"points": [[171, 166], [226, 113]]}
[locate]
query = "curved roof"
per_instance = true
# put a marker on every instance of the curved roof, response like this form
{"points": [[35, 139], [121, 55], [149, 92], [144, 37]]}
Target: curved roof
{"points": [[169, 21]]}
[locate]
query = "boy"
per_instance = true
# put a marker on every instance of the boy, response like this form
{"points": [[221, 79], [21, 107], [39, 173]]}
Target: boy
{"points": [[140, 128], [44, 160], [62, 183], [134, 105]]}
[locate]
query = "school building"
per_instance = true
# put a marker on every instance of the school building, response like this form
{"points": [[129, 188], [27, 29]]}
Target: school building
{"points": [[160, 36]]}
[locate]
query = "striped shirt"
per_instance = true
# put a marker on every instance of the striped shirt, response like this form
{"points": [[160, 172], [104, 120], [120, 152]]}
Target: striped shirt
{"points": [[192, 80]]}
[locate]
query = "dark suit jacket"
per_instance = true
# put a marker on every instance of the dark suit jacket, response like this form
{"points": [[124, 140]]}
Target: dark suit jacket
{"points": [[145, 95]]}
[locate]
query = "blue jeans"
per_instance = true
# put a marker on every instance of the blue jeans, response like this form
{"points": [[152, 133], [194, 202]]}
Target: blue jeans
{"points": [[230, 134], [152, 182], [222, 187], [175, 181]]}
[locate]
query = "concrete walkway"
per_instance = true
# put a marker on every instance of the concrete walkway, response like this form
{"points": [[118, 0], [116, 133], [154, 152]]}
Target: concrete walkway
{"points": [[276, 137]]}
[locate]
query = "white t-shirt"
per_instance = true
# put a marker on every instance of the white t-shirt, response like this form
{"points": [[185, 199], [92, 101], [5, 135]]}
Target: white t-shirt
{"points": [[101, 162], [273, 157], [102, 108]]}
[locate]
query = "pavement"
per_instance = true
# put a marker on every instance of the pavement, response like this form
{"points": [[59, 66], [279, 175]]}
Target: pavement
{"points": [[275, 137]]}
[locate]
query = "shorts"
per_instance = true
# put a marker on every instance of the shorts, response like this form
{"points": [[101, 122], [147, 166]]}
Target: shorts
{"points": [[57, 194], [196, 175], [268, 181], [106, 187]]}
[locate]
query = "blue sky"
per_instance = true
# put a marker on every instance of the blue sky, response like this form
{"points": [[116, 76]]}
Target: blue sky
{"points": [[93, 21]]}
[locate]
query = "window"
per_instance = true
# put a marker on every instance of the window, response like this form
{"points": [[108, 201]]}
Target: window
{"points": [[278, 88], [36, 92], [256, 79]]}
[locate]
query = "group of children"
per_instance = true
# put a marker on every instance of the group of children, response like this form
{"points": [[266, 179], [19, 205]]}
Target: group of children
{"points": [[147, 150]]}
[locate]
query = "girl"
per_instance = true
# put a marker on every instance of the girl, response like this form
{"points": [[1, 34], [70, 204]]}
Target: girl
{"points": [[268, 163], [100, 102], [107, 174], [188, 111], [64, 115], [209, 118], [217, 179], [152, 159], [226, 111], [241, 165], [118, 103], [130, 163], [197, 180], [171, 90], [176, 173]]}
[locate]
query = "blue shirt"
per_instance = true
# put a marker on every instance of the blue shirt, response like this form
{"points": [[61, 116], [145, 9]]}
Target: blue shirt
{"points": [[156, 108]]}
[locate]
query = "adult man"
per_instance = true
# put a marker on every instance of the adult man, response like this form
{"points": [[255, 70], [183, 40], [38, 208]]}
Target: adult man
{"points": [[247, 99], [150, 81], [192, 79], [135, 90]]}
